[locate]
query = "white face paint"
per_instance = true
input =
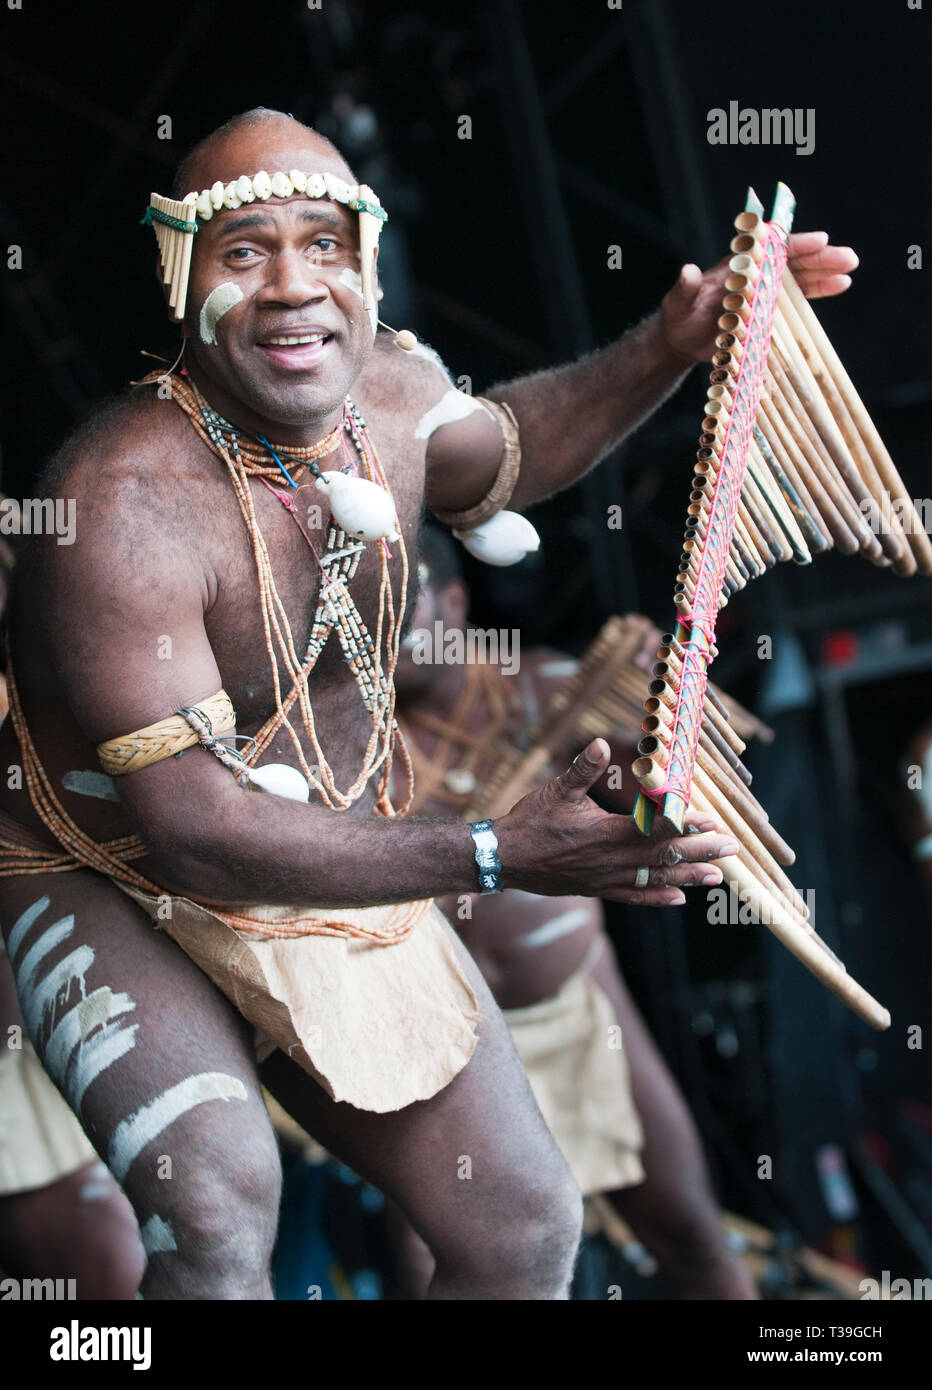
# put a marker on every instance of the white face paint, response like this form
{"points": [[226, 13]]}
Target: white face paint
{"points": [[353, 279], [157, 1235], [132, 1135], [557, 927], [88, 783], [84, 1040], [217, 303], [455, 405]]}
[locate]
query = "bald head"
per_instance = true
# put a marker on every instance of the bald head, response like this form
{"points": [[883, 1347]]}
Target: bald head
{"points": [[254, 140]]}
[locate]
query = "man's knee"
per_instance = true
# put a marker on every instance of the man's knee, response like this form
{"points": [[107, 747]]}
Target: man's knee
{"points": [[531, 1248], [220, 1220], [552, 1225]]}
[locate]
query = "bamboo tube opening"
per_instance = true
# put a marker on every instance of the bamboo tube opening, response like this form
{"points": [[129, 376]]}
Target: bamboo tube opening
{"points": [[649, 774]]}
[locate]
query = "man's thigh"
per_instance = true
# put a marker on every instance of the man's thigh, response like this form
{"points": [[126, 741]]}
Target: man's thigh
{"points": [[156, 1064], [477, 1155]]}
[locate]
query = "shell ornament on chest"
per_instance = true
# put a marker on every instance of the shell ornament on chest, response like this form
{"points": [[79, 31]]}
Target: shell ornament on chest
{"points": [[360, 508]]}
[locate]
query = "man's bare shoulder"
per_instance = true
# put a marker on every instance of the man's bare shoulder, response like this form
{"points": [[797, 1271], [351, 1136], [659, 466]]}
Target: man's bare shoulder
{"points": [[127, 478], [133, 441], [410, 382]]}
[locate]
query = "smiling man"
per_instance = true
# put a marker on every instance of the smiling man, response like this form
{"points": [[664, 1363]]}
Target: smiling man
{"points": [[239, 572]]}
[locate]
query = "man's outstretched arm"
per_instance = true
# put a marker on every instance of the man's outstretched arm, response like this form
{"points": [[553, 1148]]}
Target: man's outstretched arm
{"points": [[571, 416], [125, 582]]}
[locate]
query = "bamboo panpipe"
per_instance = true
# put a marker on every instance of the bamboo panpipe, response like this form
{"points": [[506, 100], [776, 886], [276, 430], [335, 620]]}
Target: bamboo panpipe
{"points": [[788, 465], [605, 698]]}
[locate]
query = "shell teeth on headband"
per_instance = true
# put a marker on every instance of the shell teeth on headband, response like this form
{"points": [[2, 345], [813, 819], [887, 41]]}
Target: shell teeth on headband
{"points": [[174, 224], [280, 185]]}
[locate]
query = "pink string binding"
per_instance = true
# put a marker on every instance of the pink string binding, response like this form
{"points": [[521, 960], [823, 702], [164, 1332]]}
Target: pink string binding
{"points": [[723, 513]]}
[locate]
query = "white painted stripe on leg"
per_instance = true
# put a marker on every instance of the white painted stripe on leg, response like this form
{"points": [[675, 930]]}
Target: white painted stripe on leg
{"points": [[132, 1135], [43, 996], [96, 1055], [22, 926], [52, 936], [98, 1185], [99, 1007], [157, 1236]]}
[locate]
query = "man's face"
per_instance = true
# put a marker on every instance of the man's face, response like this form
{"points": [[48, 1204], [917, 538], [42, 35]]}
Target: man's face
{"points": [[276, 321]]}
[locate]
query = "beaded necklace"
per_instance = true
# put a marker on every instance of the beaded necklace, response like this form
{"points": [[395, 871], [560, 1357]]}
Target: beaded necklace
{"points": [[372, 670]]}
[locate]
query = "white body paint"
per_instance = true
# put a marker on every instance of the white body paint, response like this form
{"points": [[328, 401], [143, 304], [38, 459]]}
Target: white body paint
{"points": [[217, 303], [422, 350], [454, 405], [85, 1040], [132, 1135], [557, 927], [98, 1186], [157, 1235], [566, 666], [88, 783]]}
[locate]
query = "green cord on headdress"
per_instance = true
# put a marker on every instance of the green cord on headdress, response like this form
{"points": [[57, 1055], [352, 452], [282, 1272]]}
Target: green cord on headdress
{"points": [[155, 215]]}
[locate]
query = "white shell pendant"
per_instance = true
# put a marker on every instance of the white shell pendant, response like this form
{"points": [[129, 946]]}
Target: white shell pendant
{"points": [[280, 780], [502, 540], [360, 508]]}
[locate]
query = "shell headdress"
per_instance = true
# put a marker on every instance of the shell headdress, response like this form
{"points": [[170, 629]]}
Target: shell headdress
{"points": [[177, 220]]}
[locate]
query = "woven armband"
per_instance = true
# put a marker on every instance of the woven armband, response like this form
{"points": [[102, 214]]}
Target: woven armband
{"points": [[499, 494], [131, 752]]}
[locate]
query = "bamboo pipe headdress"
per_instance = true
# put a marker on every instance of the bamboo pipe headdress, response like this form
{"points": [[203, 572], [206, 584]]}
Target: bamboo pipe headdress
{"points": [[176, 221]]}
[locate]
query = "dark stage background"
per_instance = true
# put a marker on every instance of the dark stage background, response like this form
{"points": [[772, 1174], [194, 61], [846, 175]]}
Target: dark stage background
{"points": [[588, 130]]}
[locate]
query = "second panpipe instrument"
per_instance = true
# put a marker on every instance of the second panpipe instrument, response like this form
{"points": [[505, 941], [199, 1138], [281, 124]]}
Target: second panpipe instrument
{"points": [[789, 465], [605, 698]]}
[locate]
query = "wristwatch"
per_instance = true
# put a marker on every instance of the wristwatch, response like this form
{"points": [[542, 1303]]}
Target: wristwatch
{"points": [[487, 861]]}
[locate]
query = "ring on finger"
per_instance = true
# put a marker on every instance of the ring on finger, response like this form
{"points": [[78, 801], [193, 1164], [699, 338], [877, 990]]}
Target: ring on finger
{"points": [[641, 878]]}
